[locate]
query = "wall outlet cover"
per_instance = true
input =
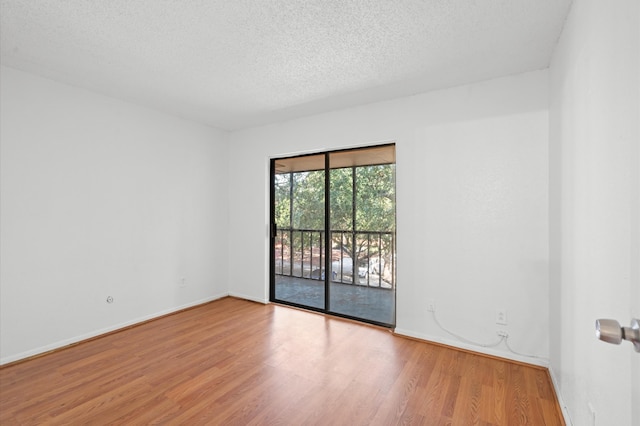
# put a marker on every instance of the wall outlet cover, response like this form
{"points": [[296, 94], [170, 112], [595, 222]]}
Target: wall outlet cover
{"points": [[501, 316]]}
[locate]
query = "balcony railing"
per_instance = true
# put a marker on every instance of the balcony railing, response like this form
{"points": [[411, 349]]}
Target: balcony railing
{"points": [[301, 253]]}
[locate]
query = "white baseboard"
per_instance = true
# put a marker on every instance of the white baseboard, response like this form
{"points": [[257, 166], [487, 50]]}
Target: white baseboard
{"points": [[96, 333], [541, 362], [245, 297], [563, 406]]}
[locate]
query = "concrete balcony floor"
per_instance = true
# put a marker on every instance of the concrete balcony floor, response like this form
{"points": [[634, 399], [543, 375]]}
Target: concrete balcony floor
{"points": [[359, 301]]}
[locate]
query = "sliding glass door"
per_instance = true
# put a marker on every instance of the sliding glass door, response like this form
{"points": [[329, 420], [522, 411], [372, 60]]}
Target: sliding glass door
{"points": [[333, 233], [298, 230]]}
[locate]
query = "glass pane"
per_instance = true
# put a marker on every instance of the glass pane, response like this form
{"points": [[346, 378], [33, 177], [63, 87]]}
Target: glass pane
{"points": [[362, 281], [299, 242], [342, 199]]}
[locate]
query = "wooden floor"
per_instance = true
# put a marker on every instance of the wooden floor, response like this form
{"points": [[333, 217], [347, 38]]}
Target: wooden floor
{"points": [[238, 362]]}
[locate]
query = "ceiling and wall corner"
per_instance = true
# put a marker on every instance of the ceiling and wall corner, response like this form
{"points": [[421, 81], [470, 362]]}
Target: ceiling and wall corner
{"points": [[236, 64]]}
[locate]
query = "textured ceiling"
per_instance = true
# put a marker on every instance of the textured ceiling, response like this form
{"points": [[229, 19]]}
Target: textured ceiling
{"points": [[241, 63]]}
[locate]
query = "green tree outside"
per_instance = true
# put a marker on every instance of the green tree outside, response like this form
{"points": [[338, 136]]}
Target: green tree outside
{"points": [[374, 209]]}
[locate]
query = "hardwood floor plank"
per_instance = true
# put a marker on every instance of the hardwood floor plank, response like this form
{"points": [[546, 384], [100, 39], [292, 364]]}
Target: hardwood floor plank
{"points": [[238, 362], [451, 395], [467, 409]]}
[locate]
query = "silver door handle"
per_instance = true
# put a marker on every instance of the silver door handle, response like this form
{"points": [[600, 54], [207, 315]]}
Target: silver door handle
{"points": [[610, 331]]}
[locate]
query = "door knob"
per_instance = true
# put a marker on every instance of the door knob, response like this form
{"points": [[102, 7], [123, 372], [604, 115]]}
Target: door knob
{"points": [[610, 331]]}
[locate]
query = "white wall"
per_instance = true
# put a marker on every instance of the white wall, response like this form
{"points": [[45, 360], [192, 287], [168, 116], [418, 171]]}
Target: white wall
{"points": [[102, 198], [594, 216], [472, 192]]}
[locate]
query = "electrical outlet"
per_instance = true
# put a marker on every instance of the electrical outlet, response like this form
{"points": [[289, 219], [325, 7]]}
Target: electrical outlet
{"points": [[502, 333], [431, 305], [501, 316]]}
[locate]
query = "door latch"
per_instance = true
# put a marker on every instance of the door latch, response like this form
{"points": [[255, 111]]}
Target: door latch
{"points": [[610, 331]]}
